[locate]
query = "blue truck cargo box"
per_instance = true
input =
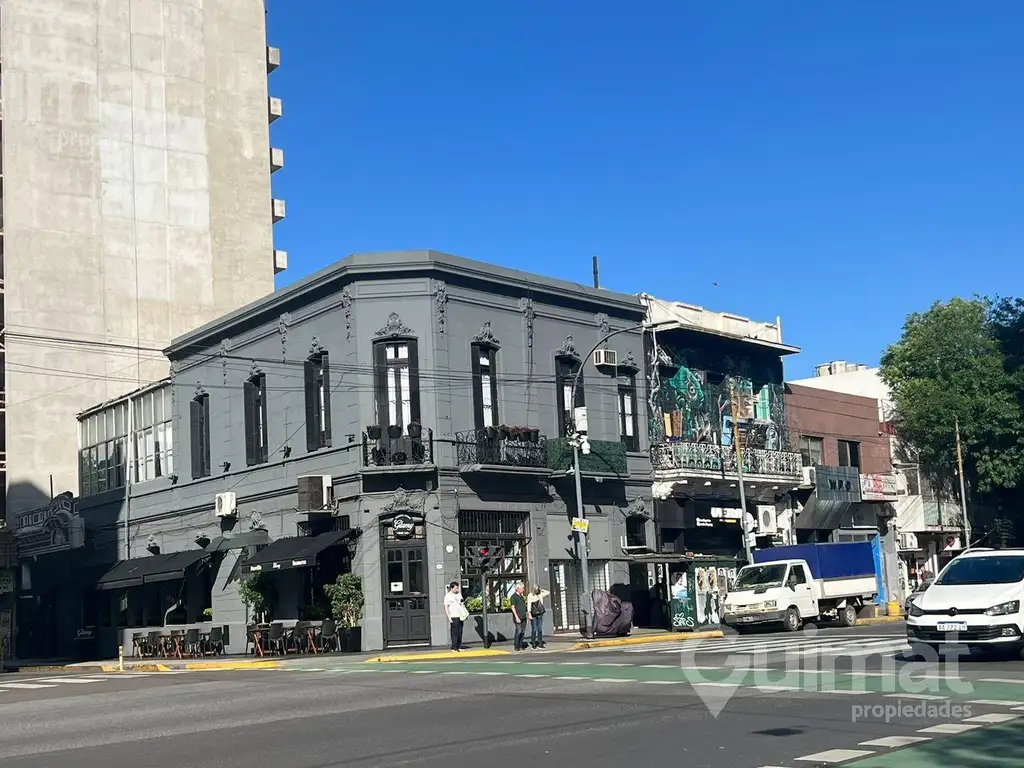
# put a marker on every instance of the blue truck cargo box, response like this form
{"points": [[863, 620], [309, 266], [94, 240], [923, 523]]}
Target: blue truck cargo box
{"points": [[827, 561]]}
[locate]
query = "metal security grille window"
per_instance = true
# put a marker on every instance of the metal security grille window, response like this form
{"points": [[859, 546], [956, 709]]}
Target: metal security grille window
{"points": [[567, 589], [199, 427], [318, 401], [494, 529], [255, 392], [152, 433], [565, 370], [812, 451], [485, 386], [397, 383], [629, 428], [104, 451]]}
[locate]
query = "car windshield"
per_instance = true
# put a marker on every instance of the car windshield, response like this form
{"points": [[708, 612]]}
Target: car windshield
{"points": [[990, 569], [761, 576]]}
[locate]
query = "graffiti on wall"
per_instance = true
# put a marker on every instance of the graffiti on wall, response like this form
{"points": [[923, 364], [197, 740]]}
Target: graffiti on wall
{"points": [[688, 404]]}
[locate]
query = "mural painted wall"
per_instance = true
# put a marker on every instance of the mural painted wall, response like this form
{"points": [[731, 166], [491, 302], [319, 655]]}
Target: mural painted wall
{"points": [[690, 397]]}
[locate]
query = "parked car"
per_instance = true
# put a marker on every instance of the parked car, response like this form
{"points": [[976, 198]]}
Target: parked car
{"points": [[918, 591], [976, 601]]}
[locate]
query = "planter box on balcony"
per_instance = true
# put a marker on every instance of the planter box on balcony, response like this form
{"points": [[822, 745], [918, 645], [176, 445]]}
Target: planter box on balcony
{"points": [[606, 457], [481, 448]]}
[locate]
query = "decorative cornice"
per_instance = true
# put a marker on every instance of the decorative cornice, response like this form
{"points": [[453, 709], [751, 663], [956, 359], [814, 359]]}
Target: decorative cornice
{"points": [[316, 348], [486, 336], [393, 328], [225, 347], [603, 323], [441, 304], [255, 370], [200, 391], [256, 521], [630, 363], [346, 304], [637, 508], [403, 501], [568, 349]]}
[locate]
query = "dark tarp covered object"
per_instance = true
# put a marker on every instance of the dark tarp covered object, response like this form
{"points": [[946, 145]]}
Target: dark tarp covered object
{"points": [[612, 616]]}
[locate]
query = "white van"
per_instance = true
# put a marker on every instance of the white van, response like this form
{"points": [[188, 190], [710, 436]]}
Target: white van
{"points": [[975, 601]]}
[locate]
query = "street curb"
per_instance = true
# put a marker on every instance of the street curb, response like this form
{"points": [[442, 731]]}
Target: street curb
{"points": [[647, 640], [400, 657], [879, 620], [215, 665]]}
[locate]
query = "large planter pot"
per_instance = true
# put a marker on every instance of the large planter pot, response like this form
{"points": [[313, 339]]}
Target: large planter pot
{"points": [[503, 432], [533, 435], [351, 639], [415, 430], [395, 431], [492, 433], [373, 433]]}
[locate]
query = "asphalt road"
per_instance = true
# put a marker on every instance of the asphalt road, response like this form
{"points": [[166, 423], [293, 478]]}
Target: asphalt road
{"points": [[594, 708]]}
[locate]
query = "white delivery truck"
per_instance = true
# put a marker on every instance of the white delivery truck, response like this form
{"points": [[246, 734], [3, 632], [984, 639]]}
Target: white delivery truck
{"points": [[789, 585]]}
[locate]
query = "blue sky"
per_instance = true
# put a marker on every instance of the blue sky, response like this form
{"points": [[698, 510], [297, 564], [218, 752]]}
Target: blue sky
{"points": [[838, 164]]}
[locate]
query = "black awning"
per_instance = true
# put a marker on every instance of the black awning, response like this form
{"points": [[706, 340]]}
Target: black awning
{"points": [[255, 538], [149, 570], [294, 552]]}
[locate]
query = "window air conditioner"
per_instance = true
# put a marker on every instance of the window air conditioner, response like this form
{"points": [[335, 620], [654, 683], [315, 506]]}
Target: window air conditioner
{"points": [[226, 504], [606, 358]]}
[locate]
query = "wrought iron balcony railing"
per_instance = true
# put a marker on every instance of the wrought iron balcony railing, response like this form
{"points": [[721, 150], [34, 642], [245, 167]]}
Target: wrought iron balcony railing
{"points": [[721, 459], [404, 450], [501, 448]]}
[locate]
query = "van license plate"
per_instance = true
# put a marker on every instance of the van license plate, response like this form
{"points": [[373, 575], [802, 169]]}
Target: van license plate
{"points": [[952, 626], [746, 618]]}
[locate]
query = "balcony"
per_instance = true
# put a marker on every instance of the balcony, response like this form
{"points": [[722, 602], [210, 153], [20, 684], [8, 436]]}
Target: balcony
{"points": [[280, 261], [273, 58], [276, 159], [702, 459], [275, 108], [606, 457], [498, 449], [278, 210], [402, 453]]}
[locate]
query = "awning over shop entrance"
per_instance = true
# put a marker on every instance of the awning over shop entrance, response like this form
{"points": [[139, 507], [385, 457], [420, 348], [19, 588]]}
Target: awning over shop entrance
{"points": [[150, 570], [238, 541], [295, 551]]}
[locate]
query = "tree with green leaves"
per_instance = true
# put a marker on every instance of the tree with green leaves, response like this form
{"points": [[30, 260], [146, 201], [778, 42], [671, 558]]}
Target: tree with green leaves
{"points": [[950, 367]]}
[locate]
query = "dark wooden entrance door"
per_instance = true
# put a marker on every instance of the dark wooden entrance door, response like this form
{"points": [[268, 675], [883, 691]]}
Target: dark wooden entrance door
{"points": [[406, 595]]}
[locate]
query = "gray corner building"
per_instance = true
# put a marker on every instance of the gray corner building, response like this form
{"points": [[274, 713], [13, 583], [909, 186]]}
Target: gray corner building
{"points": [[385, 416], [136, 204]]}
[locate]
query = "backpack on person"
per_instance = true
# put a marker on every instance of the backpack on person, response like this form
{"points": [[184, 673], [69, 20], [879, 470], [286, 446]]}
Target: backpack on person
{"points": [[537, 608]]}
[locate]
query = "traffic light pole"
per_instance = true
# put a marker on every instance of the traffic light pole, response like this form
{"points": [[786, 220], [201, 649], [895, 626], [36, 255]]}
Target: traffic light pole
{"points": [[483, 601], [588, 603]]}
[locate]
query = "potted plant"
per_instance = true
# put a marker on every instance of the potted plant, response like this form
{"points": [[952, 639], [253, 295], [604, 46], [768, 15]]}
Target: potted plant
{"points": [[533, 435], [492, 433], [395, 431], [255, 593], [374, 432], [415, 430], [503, 431], [347, 600], [207, 615], [521, 434]]}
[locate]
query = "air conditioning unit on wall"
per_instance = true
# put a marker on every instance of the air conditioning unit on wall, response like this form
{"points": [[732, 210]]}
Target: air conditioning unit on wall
{"points": [[226, 504], [767, 519], [608, 358], [316, 493]]}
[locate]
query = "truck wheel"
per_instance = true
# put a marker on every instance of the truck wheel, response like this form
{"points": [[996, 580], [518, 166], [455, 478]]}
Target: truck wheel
{"points": [[848, 616], [791, 623]]}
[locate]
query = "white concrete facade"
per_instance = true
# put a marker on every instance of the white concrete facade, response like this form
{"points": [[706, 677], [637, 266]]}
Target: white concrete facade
{"points": [[137, 203]]}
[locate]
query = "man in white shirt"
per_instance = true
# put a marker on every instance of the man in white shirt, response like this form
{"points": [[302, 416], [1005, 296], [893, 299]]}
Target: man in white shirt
{"points": [[453, 610]]}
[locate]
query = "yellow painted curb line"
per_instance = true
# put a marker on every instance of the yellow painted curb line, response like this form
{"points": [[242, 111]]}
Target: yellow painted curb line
{"points": [[435, 655], [879, 620], [234, 665], [646, 639], [131, 668]]}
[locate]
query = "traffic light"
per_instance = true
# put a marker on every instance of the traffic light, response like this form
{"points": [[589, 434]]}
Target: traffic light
{"points": [[483, 557]]}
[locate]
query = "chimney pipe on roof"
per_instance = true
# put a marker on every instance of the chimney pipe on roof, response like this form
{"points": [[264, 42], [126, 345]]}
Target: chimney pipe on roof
{"points": [[596, 282]]}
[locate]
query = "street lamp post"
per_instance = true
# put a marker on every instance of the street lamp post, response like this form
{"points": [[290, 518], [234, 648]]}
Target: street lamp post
{"points": [[579, 442]]}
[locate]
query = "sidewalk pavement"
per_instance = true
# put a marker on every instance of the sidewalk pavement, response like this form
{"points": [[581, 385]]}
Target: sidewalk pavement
{"points": [[561, 643]]}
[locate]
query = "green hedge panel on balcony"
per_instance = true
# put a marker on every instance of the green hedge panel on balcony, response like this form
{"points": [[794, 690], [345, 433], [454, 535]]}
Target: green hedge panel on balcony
{"points": [[605, 457]]}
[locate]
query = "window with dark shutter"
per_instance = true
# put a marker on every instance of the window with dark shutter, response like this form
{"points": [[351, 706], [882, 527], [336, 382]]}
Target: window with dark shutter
{"points": [[565, 372], [485, 385], [318, 402], [397, 382], [255, 395], [199, 428], [629, 427]]}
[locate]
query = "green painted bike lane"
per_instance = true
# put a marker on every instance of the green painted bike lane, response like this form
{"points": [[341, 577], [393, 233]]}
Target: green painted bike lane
{"points": [[1000, 746], [899, 685]]}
